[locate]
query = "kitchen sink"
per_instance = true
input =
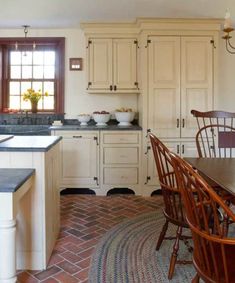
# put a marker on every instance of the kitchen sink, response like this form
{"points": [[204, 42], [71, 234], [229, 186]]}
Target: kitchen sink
{"points": [[25, 130]]}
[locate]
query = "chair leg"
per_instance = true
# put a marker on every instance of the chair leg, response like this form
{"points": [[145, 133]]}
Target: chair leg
{"points": [[162, 235], [174, 254], [196, 279]]}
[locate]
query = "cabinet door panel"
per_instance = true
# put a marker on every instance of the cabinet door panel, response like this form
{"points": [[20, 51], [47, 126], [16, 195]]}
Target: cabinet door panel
{"points": [[121, 155], [100, 63], [79, 160], [124, 63], [196, 80], [120, 176], [164, 86]]}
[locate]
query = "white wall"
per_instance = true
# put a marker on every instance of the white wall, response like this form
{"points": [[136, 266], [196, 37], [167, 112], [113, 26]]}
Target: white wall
{"points": [[76, 99], [226, 78]]}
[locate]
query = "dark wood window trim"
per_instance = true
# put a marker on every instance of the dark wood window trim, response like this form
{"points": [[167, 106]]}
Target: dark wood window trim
{"points": [[57, 42]]}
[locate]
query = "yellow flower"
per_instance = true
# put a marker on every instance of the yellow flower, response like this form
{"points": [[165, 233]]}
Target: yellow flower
{"points": [[32, 95]]}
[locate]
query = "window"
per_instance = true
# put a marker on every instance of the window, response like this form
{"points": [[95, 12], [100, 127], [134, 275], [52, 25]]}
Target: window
{"points": [[25, 66]]}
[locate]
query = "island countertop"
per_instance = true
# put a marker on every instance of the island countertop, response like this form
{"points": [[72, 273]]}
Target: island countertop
{"points": [[29, 143], [11, 179]]}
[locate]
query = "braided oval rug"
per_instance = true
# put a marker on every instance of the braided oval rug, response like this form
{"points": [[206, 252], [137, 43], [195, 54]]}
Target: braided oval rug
{"points": [[126, 254]]}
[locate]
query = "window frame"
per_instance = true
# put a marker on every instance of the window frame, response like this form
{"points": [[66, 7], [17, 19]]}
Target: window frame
{"points": [[58, 43]]}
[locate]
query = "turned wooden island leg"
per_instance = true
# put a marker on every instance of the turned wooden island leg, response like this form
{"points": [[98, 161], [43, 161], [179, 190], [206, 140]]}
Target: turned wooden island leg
{"points": [[8, 251]]}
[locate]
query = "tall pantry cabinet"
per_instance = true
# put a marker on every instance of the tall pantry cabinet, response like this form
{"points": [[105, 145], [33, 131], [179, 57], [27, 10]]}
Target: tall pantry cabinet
{"points": [[180, 77]]}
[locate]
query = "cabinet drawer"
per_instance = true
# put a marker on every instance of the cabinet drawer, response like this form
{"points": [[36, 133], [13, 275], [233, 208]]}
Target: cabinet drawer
{"points": [[120, 155], [121, 138], [120, 176]]}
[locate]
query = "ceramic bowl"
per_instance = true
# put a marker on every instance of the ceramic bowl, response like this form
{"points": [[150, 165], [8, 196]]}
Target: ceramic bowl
{"points": [[101, 119], [84, 119], [124, 118]]}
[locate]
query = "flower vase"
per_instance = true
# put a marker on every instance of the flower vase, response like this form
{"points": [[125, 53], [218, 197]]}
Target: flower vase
{"points": [[34, 106]]}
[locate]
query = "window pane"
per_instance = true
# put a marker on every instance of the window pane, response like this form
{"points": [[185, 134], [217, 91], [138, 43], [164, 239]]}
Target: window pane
{"points": [[37, 86], [26, 72], [15, 72], [14, 102], [25, 104], [25, 86], [49, 87], [14, 88], [15, 57], [37, 72], [49, 72], [38, 58], [49, 102], [27, 58], [49, 58]]}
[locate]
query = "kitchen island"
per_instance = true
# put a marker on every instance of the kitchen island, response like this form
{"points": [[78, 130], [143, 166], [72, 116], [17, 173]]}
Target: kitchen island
{"points": [[38, 220]]}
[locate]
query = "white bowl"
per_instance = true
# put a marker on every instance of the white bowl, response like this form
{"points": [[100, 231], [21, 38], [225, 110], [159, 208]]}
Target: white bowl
{"points": [[84, 119], [124, 118], [101, 119]]}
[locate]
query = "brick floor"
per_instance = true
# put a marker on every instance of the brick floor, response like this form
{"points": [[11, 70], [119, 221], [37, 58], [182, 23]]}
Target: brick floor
{"points": [[84, 220]]}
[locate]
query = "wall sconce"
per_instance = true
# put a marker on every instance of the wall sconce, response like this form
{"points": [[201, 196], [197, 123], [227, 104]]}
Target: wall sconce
{"points": [[227, 29], [75, 64]]}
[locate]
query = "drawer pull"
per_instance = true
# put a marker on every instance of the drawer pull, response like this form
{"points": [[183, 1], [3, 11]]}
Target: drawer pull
{"points": [[123, 156], [77, 137]]}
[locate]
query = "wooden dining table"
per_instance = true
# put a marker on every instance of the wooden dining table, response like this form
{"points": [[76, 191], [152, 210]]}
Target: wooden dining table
{"points": [[220, 171]]}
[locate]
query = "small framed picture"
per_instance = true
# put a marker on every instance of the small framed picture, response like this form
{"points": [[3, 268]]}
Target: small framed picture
{"points": [[75, 64]]}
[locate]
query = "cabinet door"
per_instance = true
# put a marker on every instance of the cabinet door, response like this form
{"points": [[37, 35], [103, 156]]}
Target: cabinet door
{"points": [[100, 64], [124, 64], [164, 86], [79, 159], [196, 80]]}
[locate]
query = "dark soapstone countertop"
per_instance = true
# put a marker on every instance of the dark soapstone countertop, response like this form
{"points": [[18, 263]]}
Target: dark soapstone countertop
{"points": [[96, 128], [29, 143], [12, 179]]}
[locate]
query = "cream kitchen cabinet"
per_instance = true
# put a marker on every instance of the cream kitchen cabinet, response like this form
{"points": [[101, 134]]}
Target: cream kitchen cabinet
{"points": [[80, 159], [180, 79], [112, 65], [120, 160]]}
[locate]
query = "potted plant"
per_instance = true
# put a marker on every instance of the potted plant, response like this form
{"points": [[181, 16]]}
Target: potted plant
{"points": [[33, 96]]}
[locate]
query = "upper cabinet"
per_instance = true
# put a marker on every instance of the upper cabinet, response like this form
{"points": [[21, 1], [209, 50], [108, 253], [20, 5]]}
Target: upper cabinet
{"points": [[180, 79], [112, 65]]}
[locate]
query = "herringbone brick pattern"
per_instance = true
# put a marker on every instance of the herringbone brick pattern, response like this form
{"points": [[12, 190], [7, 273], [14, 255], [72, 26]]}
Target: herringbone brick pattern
{"points": [[84, 219]]}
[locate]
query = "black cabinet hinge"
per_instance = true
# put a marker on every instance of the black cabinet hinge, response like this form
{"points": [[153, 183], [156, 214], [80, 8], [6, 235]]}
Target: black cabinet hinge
{"points": [[96, 179], [148, 41], [89, 42], [148, 131], [148, 148], [89, 84], [136, 42], [148, 178], [213, 43], [136, 84], [96, 139]]}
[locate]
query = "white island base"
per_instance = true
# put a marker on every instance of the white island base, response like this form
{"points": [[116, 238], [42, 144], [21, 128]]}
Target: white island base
{"points": [[38, 219]]}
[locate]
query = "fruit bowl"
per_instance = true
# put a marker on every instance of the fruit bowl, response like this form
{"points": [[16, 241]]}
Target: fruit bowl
{"points": [[84, 119], [124, 118], [101, 118]]}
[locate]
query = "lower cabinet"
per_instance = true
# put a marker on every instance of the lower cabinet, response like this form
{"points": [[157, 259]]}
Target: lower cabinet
{"points": [[183, 148], [120, 160], [80, 159], [100, 160]]}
